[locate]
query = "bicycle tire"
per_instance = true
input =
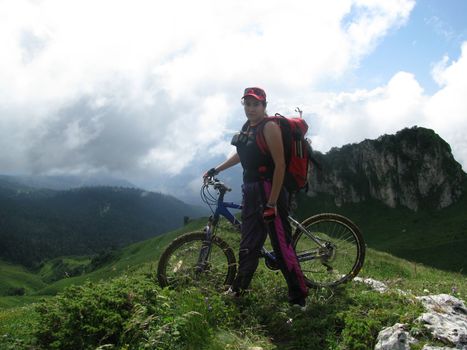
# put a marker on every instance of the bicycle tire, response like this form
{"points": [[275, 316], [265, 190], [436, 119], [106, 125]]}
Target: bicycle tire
{"points": [[344, 256], [178, 263]]}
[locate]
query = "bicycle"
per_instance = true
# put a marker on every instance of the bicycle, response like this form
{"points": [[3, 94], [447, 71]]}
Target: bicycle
{"points": [[329, 247]]}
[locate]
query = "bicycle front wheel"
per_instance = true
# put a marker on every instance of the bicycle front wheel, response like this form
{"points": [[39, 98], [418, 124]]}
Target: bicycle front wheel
{"points": [[331, 250], [192, 260]]}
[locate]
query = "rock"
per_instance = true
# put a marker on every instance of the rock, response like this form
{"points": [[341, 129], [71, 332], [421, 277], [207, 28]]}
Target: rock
{"points": [[374, 284], [396, 337], [446, 319], [414, 168]]}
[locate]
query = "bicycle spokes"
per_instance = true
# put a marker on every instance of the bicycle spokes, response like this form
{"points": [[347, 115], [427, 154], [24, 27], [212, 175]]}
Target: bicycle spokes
{"points": [[192, 260], [330, 250]]}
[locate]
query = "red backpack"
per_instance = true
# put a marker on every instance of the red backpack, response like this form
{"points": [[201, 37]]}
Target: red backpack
{"points": [[297, 150]]}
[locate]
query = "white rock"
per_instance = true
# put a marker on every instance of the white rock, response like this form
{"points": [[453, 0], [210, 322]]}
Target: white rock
{"points": [[394, 338], [431, 347], [376, 285], [446, 318]]}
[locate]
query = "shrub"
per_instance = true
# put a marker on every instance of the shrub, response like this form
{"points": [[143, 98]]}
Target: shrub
{"points": [[130, 313], [15, 291]]}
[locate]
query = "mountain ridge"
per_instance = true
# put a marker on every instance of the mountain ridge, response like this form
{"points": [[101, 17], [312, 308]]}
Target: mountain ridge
{"points": [[414, 168], [38, 224], [64, 182]]}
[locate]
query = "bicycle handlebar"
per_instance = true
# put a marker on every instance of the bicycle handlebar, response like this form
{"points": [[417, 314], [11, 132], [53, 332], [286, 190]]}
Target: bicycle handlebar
{"points": [[217, 184]]}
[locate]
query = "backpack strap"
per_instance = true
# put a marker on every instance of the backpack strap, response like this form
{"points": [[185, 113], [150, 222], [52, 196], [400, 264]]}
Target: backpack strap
{"points": [[260, 139]]}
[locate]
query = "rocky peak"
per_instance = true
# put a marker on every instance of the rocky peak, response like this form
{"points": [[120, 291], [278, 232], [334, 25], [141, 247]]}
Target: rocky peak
{"points": [[413, 168]]}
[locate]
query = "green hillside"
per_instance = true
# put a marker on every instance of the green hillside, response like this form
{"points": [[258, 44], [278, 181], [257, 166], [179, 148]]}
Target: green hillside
{"points": [[16, 280], [435, 238], [121, 305], [43, 283], [126, 260], [38, 225]]}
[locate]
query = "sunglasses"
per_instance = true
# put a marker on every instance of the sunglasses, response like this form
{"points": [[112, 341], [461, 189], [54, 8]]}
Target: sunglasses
{"points": [[254, 103]]}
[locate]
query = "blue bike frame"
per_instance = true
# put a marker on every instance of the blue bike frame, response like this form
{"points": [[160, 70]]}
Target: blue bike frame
{"points": [[222, 209]]}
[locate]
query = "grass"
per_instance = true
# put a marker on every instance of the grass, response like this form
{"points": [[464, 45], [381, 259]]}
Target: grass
{"points": [[413, 277], [436, 238], [15, 327], [130, 258], [63, 267], [129, 310], [121, 305], [16, 280]]}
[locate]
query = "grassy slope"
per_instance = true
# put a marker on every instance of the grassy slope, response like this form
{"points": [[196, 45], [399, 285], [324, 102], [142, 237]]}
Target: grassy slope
{"points": [[434, 238], [14, 276], [417, 236], [131, 258], [351, 314]]}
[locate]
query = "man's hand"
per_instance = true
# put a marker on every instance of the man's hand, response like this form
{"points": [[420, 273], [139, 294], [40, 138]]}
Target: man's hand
{"points": [[269, 214]]}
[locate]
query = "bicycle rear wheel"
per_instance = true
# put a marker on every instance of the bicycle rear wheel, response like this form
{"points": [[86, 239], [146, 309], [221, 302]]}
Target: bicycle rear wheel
{"points": [[339, 256], [191, 260]]}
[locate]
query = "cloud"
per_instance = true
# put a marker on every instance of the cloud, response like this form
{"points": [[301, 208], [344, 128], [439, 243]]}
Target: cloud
{"points": [[350, 117], [446, 110], [149, 87]]}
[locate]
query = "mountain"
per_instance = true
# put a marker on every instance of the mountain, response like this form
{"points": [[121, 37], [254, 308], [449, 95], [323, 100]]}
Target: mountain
{"points": [[38, 224], [405, 191], [413, 168], [64, 182]]}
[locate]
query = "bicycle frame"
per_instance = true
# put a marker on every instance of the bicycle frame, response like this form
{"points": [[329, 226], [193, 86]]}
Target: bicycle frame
{"points": [[329, 246], [222, 209]]}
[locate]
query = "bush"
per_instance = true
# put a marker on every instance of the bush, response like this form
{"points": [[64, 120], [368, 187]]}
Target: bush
{"points": [[15, 291], [104, 257], [132, 312], [128, 313]]}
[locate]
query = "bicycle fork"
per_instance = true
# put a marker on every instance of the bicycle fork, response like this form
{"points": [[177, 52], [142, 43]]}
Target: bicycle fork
{"points": [[206, 245]]}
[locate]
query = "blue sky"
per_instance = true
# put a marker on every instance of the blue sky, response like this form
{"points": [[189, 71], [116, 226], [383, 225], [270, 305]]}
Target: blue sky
{"points": [[435, 29], [149, 90]]}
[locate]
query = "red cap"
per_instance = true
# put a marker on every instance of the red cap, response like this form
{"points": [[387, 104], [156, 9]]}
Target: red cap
{"points": [[255, 92]]}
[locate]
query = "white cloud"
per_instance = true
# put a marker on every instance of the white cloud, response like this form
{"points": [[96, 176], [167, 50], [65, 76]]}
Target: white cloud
{"points": [[350, 117], [446, 110], [147, 86]]}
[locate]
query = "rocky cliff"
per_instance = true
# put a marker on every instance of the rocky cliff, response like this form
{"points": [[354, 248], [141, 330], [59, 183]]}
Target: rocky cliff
{"points": [[413, 168]]}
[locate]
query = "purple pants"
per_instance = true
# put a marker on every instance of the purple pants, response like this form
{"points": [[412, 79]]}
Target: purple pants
{"points": [[254, 232]]}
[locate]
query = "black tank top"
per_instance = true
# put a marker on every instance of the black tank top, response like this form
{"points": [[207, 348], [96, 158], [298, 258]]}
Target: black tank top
{"points": [[256, 165]]}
